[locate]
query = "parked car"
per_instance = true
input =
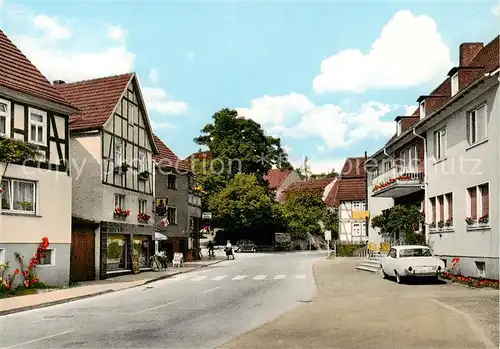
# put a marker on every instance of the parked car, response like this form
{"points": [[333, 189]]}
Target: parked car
{"points": [[245, 246], [410, 261]]}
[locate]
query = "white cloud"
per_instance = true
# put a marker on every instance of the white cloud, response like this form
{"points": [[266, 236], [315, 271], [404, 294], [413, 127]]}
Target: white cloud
{"points": [[318, 166], [409, 52], [158, 100], [161, 125], [116, 33], [153, 75], [496, 10], [190, 56], [294, 115], [410, 109], [51, 28]]}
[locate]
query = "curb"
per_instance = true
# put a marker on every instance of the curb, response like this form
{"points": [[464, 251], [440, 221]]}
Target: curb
{"points": [[90, 295]]}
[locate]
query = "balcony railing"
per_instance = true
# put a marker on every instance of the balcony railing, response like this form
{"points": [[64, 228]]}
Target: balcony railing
{"points": [[398, 181]]}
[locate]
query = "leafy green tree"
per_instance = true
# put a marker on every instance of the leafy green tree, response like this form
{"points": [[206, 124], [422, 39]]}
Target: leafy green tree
{"points": [[303, 211], [243, 204], [16, 152], [400, 221], [238, 144]]}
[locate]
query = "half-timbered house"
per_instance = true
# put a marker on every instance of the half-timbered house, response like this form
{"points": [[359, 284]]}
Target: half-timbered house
{"points": [[113, 186], [35, 195]]}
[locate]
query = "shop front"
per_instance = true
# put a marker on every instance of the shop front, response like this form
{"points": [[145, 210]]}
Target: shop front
{"points": [[123, 246]]}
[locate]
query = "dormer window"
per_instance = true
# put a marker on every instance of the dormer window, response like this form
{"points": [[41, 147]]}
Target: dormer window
{"points": [[454, 84], [422, 109], [399, 128], [4, 118]]}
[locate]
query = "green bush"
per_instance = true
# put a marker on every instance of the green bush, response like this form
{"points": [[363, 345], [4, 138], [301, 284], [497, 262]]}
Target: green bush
{"points": [[347, 250]]}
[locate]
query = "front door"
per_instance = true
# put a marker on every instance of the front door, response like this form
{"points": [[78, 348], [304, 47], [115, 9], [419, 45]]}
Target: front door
{"points": [[82, 266]]}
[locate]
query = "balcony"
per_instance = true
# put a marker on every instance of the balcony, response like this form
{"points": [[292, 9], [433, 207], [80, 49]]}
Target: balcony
{"points": [[397, 182]]}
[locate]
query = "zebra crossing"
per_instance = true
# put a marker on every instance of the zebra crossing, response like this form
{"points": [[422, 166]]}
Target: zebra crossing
{"points": [[238, 277]]}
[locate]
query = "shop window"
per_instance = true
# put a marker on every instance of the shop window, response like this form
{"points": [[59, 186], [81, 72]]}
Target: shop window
{"points": [[141, 247], [117, 254]]}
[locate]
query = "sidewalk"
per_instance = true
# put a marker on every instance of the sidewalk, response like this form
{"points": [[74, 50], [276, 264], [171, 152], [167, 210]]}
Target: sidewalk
{"points": [[357, 309], [94, 288]]}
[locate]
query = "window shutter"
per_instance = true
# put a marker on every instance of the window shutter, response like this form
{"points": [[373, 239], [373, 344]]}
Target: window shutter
{"points": [[485, 199], [449, 199], [473, 202], [433, 205], [441, 207]]}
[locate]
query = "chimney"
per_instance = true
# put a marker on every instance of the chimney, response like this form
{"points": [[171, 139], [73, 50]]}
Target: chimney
{"points": [[58, 82], [468, 50]]}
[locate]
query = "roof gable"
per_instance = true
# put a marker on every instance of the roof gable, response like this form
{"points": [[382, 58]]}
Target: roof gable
{"points": [[275, 177], [167, 157], [353, 168], [19, 74], [96, 98]]}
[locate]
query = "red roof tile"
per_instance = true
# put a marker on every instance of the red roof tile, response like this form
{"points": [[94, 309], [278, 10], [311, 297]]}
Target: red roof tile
{"points": [[19, 74], [275, 177], [311, 185], [167, 157], [96, 99], [201, 155], [351, 189], [353, 168]]}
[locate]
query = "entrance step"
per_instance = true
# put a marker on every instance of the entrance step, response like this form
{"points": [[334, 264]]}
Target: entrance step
{"points": [[369, 265]]}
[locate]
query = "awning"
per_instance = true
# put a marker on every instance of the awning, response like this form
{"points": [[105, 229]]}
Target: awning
{"points": [[160, 236]]}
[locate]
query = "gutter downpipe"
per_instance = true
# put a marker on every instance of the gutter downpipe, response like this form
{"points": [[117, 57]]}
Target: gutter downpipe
{"points": [[425, 182]]}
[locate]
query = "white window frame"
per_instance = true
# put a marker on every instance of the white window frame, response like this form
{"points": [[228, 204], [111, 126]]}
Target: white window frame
{"points": [[143, 204], [175, 215], [388, 165], [440, 144], [398, 128], [358, 206], [422, 109], [454, 84], [142, 158], [52, 259], [472, 134], [479, 200], [447, 206], [355, 227], [410, 157], [43, 124], [119, 200], [118, 144], [7, 116], [11, 196], [2, 255]]}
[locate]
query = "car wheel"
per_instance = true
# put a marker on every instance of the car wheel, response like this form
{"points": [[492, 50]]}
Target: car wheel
{"points": [[399, 278], [382, 273]]}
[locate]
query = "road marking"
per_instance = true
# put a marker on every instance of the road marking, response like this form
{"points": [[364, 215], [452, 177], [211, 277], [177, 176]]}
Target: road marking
{"points": [[301, 276], [218, 278], [39, 339], [260, 277], [212, 289], [157, 307], [239, 277], [199, 278], [280, 277], [179, 277], [472, 324]]}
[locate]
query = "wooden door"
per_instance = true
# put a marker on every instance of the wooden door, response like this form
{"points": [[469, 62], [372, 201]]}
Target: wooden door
{"points": [[82, 255]]}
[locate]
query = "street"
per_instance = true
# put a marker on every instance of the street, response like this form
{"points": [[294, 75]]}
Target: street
{"points": [[194, 310]]}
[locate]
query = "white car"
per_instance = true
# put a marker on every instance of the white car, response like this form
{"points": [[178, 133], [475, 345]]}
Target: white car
{"points": [[410, 261]]}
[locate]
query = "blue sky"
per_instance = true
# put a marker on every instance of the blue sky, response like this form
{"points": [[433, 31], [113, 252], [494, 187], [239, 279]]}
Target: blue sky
{"points": [[327, 77]]}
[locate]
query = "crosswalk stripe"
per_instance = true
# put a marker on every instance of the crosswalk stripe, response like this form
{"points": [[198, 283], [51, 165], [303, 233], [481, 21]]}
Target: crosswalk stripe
{"points": [[217, 278], [300, 276], [199, 278], [260, 277], [279, 277], [239, 277]]}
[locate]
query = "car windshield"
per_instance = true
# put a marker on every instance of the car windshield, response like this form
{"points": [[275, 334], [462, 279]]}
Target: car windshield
{"points": [[415, 252]]}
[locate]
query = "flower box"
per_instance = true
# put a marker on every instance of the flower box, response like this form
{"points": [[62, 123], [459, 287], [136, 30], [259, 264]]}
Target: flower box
{"points": [[143, 218], [120, 213]]}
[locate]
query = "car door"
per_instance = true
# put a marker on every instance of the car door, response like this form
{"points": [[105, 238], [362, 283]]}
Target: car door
{"points": [[390, 261]]}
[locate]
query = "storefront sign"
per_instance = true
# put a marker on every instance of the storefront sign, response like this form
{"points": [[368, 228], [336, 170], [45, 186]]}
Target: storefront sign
{"points": [[206, 215], [360, 214], [161, 206]]}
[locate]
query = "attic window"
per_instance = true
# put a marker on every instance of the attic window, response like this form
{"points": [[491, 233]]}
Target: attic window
{"points": [[399, 128], [454, 84], [422, 110]]}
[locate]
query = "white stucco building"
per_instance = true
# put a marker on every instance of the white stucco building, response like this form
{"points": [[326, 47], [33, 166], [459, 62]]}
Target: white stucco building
{"points": [[36, 197], [463, 163]]}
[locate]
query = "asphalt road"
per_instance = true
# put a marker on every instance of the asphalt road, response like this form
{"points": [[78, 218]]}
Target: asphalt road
{"points": [[194, 310]]}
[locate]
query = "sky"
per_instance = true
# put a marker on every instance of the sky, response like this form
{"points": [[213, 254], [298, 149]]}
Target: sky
{"points": [[326, 77]]}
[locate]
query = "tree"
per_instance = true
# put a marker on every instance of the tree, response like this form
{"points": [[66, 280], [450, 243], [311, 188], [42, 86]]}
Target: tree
{"points": [[16, 152], [399, 222], [304, 210], [238, 144], [243, 204]]}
